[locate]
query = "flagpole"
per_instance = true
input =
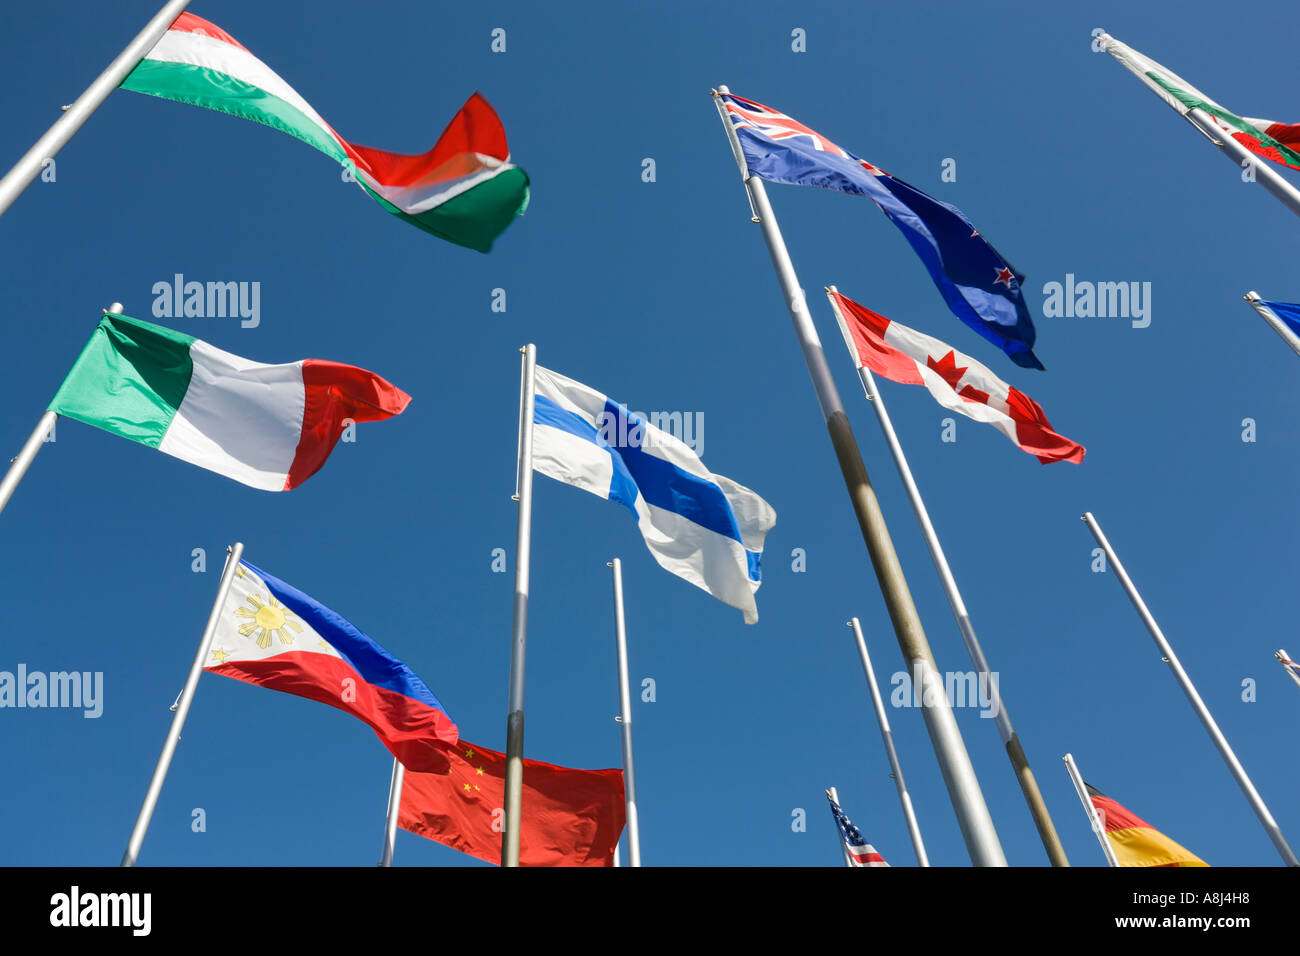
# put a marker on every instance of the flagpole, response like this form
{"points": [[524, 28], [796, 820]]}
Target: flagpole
{"points": [[56, 137], [625, 706], [1090, 809], [181, 708], [394, 805], [1256, 303], [887, 735], [1010, 740], [954, 762], [1221, 742], [519, 628], [839, 837], [1284, 659]]}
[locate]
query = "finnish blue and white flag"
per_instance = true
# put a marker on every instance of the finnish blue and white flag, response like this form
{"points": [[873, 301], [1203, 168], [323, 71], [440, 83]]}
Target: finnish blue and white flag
{"points": [[700, 526]]}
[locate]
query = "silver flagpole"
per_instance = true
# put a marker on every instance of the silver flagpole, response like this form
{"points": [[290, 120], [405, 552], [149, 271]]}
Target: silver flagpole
{"points": [[56, 137], [1010, 740], [844, 850], [1094, 818], [519, 629], [181, 708], [887, 735], [394, 805], [954, 762], [1285, 659], [1265, 313], [1203, 712], [625, 707]]}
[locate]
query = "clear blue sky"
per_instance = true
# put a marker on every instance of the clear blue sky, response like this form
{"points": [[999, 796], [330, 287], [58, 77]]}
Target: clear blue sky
{"points": [[661, 294]]}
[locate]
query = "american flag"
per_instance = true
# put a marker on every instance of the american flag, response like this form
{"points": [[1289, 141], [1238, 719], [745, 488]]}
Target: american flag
{"points": [[1292, 667], [860, 852]]}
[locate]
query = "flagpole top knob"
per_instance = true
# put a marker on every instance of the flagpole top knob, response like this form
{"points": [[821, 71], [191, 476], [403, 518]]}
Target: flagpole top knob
{"points": [[115, 307]]}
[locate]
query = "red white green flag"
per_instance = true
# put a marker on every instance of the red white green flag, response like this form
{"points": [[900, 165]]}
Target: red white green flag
{"points": [[464, 189], [1279, 142]]}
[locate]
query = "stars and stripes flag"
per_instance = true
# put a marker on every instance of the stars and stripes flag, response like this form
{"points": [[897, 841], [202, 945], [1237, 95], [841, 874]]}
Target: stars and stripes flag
{"points": [[1292, 667], [860, 852]]}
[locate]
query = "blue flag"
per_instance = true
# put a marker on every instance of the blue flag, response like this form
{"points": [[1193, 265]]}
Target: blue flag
{"points": [[1287, 312], [981, 288]]}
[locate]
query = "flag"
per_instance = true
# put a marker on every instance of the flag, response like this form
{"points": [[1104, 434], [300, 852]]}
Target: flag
{"points": [[1279, 142], [1290, 666], [1136, 842], [569, 818], [700, 526], [981, 288], [268, 426], [956, 381], [464, 189], [271, 634], [861, 853], [1288, 312]]}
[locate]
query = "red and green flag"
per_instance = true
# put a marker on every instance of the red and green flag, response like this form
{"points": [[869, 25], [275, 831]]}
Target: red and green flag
{"points": [[464, 189]]}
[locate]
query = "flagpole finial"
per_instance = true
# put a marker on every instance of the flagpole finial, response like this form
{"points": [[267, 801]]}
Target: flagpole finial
{"points": [[114, 307], [1251, 296]]}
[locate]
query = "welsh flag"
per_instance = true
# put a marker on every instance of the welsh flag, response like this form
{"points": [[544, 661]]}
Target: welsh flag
{"points": [[464, 190], [268, 426], [956, 381], [1279, 142]]}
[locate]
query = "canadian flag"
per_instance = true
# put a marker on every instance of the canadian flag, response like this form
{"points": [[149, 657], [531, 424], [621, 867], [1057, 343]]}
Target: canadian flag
{"points": [[956, 381]]}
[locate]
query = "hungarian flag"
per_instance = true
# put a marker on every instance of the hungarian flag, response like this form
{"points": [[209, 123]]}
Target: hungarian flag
{"points": [[273, 635], [464, 189], [268, 426], [1136, 842], [1279, 142], [956, 381], [570, 817]]}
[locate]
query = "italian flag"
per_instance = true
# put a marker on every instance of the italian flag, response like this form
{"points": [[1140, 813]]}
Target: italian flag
{"points": [[956, 381], [464, 190], [1279, 142], [268, 426]]}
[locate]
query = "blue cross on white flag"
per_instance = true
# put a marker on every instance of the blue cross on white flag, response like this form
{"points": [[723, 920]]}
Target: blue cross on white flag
{"points": [[698, 525]]}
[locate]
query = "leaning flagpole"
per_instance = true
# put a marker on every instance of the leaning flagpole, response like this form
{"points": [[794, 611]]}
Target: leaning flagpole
{"points": [[625, 720], [887, 735], [839, 837], [1090, 810], [56, 137], [1010, 740], [1288, 665], [519, 627], [181, 708], [1203, 712], [1256, 303], [394, 806], [954, 762]]}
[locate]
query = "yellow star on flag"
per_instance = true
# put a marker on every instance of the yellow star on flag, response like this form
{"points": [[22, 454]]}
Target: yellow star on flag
{"points": [[220, 656]]}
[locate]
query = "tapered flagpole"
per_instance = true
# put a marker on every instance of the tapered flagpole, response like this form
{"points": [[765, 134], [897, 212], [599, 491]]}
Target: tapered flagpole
{"points": [[625, 720], [839, 837], [954, 762], [56, 137], [1090, 810], [1010, 739], [181, 709], [1203, 712], [519, 628], [1265, 313], [887, 735], [394, 806]]}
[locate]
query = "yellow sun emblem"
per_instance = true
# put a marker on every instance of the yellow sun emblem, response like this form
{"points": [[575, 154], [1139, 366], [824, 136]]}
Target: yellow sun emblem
{"points": [[266, 620]]}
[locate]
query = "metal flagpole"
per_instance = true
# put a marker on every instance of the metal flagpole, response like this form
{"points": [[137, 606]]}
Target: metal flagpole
{"points": [[1288, 664], [625, 707], [887, 735], [56, 137], [180, 709], [1265, 313], [1167, 652], [394, 805], [839, 835], [1010, 740], [1094, 818], [954, 762], [519, 628]]}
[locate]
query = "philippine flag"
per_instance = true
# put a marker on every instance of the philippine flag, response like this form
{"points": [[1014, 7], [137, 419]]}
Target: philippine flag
{"points": [[273, 635]]}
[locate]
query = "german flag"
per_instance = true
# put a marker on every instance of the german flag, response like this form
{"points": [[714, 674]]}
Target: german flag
{"points": [[1136, 842]]}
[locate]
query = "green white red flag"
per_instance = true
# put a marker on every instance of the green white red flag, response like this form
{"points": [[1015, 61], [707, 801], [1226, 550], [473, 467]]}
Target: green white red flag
{"points": [[464, 189]]}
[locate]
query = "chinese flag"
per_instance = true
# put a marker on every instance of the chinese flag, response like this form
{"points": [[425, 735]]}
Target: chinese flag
{"points": [[570, 817]]}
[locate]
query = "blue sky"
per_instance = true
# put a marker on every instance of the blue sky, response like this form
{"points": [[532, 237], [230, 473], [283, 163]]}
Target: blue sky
{"points": [[661, 294]]}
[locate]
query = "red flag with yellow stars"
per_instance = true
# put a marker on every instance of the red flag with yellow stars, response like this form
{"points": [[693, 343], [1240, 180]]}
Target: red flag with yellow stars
{"points": [[1136, 842], [570, 817]]}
